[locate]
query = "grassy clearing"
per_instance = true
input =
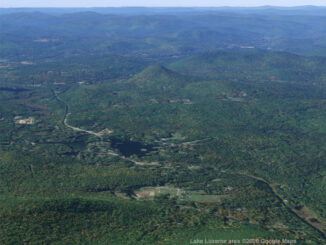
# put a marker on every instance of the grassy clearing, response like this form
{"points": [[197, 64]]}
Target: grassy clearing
{"points": [[148, 193]]}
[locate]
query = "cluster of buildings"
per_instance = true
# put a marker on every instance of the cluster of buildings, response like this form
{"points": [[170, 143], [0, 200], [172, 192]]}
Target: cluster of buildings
{"points": [[26, 121]]}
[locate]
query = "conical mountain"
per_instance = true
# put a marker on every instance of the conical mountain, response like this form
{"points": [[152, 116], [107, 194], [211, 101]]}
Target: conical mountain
{"points": [[158, 77]]}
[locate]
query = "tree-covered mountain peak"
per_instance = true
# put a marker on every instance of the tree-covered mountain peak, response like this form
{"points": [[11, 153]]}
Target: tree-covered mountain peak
{"points": [[156, 71], [158, 76]]}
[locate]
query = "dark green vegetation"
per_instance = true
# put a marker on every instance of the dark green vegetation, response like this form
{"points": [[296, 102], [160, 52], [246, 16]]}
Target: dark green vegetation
{"points": [[109, 135]]}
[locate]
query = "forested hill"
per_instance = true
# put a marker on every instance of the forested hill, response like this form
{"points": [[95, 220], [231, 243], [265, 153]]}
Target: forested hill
{"points": [[255, 65], [159, 77]]}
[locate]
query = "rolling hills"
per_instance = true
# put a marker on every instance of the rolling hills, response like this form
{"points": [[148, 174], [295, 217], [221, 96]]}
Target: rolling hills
{"points": [[161, 126]]}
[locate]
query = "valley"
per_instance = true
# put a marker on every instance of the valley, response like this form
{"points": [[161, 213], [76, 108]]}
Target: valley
{"points": [[161, 126]]}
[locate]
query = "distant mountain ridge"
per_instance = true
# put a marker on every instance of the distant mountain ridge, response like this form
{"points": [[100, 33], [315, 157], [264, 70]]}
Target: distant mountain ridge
{"points": [[305, 10], [157, 33], [244, 65]]}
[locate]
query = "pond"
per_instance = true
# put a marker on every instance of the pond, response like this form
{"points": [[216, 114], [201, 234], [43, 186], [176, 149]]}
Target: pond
{"points": [[128, 148]]}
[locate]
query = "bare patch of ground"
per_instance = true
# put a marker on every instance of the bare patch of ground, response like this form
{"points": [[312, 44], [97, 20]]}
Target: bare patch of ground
{"points": [[26, 63], [121, 195], [311, 218], [150, 192]]}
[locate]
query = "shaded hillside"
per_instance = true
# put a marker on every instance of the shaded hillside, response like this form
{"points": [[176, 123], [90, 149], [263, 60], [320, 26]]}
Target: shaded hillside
{"points": [[159, 78]]}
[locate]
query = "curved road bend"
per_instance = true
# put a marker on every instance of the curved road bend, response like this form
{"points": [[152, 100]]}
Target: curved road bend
{"points": [[292, 211]]}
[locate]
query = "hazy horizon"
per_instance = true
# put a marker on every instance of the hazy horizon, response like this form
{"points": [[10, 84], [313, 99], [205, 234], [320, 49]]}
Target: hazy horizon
{"points": [[156, 3]]}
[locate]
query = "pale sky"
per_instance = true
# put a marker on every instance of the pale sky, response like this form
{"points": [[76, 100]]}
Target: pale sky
{"points": [[156, 3]]}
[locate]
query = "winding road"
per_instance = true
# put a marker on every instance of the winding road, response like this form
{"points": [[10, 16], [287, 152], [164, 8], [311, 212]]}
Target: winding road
{"points": [[319, 226], [65, 118], [98, 134], [79, 129]]}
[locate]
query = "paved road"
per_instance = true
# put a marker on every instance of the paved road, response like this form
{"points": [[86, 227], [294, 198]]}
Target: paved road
{"points": [[315, 226], [308, 222], [79, 129], [65, 119]]}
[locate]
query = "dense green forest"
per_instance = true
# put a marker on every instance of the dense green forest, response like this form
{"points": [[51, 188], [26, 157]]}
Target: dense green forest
{"points": [[162, 126]]}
